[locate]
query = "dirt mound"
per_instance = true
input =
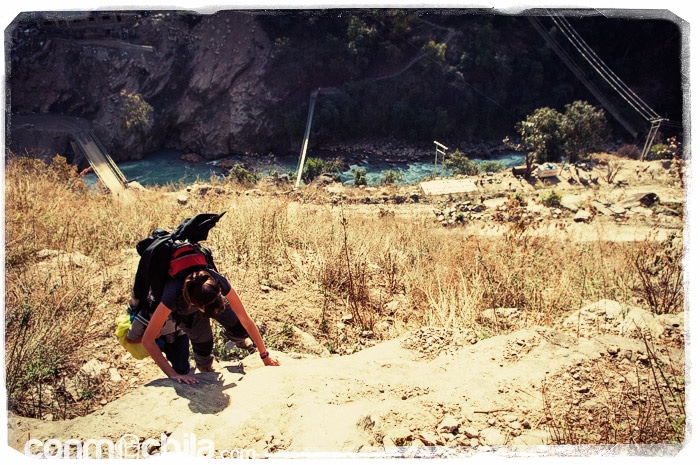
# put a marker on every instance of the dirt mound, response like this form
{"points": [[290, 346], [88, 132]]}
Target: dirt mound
{"points": [[433, 392]]}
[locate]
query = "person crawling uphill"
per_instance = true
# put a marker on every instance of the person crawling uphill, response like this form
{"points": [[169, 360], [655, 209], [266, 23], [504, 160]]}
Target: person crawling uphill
{"points": [[192, 303], [177, 291]]}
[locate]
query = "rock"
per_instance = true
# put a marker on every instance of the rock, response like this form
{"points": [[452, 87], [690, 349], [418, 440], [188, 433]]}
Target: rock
{"points": [[570, 202], [601, 208], [398, 436], [649, 200], [114, 375], [582, 216], [449, 424], [392, 306], [135, 185], [532, 438], [613, 350], [642, 211], [429, 438], [57, 258], [636, 318], [191, 158], [618, 210], [309, 343], [94, 368], [182, 199], [504, 316], [613, 317], [491, 437]]}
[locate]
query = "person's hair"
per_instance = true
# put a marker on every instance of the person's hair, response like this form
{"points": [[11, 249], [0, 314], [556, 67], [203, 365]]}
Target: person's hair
{"points": [[202, 290]]}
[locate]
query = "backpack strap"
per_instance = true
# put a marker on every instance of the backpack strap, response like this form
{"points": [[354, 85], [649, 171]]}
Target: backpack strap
{"points": [[186, 256]]}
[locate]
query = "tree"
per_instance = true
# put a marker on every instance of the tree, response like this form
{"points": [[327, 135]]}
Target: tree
{"points": [[361, 40], [540, 133], [138, 114], [546, 135], [459, 163], [315, 167], [583, 130], [530, 157]]}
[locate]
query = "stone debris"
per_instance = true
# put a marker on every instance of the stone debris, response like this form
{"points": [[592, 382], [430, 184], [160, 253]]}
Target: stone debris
{"points": [[431, 342], [608, 316]]}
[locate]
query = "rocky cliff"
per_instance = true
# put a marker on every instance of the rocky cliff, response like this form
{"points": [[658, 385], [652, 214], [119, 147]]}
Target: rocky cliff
{"points": [[204, 79], [239, 82]]}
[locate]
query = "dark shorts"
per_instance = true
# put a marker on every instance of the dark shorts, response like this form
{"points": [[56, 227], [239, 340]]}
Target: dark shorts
{"points": [[198, 328]]}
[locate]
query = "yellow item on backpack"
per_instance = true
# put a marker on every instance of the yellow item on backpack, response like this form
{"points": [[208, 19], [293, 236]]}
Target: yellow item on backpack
{"points": [[135, 349]]}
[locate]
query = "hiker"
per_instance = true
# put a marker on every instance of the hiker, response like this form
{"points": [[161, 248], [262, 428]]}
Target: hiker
{"points": [[192, 302]]}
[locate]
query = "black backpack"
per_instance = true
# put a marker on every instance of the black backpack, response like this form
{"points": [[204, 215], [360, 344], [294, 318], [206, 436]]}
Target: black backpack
{"points": [[175, 254]]}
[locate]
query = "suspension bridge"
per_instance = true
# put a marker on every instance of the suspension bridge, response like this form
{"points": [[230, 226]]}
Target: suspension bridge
{"points": [[83, 141], [577, 55]]}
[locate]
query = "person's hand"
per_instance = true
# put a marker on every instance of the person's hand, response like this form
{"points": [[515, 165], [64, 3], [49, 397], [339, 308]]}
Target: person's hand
{"points": [[270, 361], [186, 379]]}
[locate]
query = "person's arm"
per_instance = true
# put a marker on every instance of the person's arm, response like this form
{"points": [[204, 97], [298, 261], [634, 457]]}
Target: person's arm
{"points": [[250, 326], [149, 343]]}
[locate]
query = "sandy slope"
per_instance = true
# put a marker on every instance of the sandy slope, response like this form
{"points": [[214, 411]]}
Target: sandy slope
{"points": [[430, 392], [428, 388]]}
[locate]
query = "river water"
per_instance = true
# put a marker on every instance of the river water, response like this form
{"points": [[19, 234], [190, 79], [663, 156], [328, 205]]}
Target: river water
{"points": [[165, 167]]}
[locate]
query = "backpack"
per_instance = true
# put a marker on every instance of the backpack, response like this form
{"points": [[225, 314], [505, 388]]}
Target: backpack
{"points": [[173, 254]]}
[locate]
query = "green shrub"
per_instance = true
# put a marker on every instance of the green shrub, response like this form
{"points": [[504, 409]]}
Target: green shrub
{"points": [[520, 198], [492, 166], [360, 176], [392, 176], [315, 167], [551, 199], [242, 175], [138, 114], [660, 151], [459, 163]]}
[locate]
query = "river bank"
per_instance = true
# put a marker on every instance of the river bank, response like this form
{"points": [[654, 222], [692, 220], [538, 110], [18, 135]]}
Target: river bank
{"points": [[413, 163]]}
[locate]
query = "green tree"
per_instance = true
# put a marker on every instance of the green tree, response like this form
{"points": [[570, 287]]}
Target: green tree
{"points": [[551, 199], [540, 133], [361, 40], [583, 130], [138, 114], [435, 52], [458, 163]]}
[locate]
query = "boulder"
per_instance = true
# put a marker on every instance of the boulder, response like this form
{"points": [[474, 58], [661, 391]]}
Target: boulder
{"points": [[582, 216]]}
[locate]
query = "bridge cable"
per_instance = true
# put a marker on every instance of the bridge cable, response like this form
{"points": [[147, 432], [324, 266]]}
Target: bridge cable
{"points": [[603, 70], [566, 58]]}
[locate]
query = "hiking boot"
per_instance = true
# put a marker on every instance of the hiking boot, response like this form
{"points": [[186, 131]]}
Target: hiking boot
{"points": [[244, 344], [206, 369]]}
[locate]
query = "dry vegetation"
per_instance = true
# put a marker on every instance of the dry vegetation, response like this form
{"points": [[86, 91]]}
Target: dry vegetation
{"points": [[344, 276]]}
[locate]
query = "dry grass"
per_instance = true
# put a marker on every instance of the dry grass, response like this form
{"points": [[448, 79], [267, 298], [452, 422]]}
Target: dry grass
{"points": [[618, 400], [70, 261]]}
